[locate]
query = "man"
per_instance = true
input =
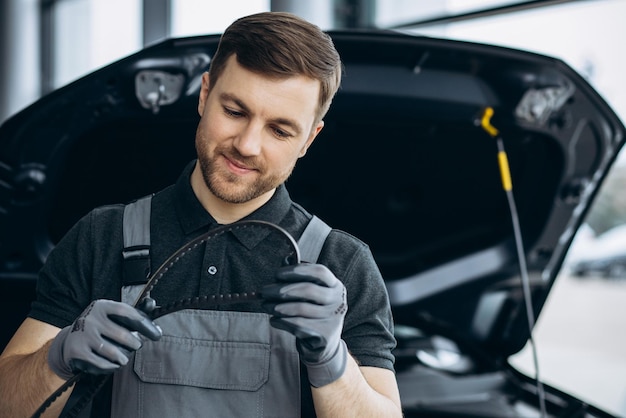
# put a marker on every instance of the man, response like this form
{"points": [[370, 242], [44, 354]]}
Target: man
{"points": [[261, 105]]}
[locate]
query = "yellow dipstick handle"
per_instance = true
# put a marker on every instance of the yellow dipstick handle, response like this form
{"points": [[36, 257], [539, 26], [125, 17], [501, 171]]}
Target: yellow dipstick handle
{"points": [[485, 122], [503, 161]]}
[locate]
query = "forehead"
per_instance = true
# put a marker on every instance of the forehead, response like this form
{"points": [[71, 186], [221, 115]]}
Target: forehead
{"points": [[293, 97]]}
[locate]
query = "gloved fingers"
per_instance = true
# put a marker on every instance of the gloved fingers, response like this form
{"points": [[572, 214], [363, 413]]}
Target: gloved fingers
{"points": [[133, 320], [94, 366], [302, 310], [305, 272], [121, 336], [101, 357], [306, 336], [303, 291], [140, 323], [97, 334], [113, 352]]}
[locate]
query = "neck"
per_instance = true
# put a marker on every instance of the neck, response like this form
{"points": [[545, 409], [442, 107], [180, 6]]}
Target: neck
{"points": [[224, 212]]}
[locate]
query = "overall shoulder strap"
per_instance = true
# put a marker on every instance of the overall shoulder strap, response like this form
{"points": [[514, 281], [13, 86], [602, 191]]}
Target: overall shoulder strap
{"points": [[136, 250], [312, 239]]}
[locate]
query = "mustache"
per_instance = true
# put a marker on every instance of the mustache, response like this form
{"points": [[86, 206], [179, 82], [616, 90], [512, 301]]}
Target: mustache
{"points": [[232, 154]]}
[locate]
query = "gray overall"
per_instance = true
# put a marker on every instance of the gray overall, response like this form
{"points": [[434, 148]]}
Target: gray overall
{"points": [[209, 363]]}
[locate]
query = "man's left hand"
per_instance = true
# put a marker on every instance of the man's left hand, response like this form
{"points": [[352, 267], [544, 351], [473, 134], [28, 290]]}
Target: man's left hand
{"points": [[310, 302]]}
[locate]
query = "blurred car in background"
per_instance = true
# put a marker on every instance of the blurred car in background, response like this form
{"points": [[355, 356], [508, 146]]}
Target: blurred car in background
{"points": [[405, 162], [603, 256]]}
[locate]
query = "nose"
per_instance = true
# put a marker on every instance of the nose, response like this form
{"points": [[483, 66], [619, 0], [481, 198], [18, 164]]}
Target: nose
{"points": [[248, 141]]}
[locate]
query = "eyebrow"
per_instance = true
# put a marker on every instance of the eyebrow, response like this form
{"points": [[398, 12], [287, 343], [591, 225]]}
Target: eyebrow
{"points": [[280, 121]]}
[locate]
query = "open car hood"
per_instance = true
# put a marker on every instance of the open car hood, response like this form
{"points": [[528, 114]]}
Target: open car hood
{"points": [[402, 163]]}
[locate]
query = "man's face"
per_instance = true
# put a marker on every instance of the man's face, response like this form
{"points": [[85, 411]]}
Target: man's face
{"points": [[252, 130]]}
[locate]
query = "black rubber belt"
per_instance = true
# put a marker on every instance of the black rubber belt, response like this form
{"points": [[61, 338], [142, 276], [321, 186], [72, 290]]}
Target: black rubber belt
{"points": [[147, 304]]}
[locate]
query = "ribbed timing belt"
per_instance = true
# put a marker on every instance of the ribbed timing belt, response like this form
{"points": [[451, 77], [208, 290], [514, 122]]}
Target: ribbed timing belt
{"points": [[148, 305]]}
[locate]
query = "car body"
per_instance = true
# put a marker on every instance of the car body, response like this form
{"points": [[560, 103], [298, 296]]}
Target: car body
{"points": [[405, 163], [603, 256], [609, 266]]}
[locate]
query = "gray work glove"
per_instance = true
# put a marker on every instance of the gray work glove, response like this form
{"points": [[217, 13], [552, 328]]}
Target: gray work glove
{"points": [[101, 339], [310, 302]]}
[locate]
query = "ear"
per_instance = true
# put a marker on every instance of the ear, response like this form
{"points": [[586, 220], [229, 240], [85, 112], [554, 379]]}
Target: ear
{"points": [[204, 93], [311, 138]]}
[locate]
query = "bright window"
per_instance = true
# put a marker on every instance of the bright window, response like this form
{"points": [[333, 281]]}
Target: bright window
{"points": [[201, 17], [92, 33]]}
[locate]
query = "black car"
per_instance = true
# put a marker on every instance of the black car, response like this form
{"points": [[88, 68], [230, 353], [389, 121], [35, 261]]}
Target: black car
{"points": [[611, 267], [604, 256], [408, 162]]}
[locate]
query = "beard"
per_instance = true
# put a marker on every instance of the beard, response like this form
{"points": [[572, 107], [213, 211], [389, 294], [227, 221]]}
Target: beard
{"points": [[230, 187]]}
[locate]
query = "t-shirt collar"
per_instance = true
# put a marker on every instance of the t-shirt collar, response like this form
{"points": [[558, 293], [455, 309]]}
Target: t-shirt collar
{"points": [[193, 217]]}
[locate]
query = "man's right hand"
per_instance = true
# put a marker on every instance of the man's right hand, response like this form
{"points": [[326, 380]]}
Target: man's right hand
{"points": [[101, 339]]}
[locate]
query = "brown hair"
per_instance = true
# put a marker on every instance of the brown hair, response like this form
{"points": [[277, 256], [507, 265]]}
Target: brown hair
{"points": [[280, 45]]}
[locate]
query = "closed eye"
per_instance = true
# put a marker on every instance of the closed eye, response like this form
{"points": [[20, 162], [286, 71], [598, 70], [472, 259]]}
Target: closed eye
{"points": [[233, 113], [282, 134]]}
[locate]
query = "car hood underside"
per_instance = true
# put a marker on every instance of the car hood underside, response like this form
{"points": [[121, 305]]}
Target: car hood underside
{"points": [[404, 163]]}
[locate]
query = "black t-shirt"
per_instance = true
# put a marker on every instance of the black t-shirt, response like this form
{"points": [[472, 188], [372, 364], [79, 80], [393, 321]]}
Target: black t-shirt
{"points": [[87, 265]]}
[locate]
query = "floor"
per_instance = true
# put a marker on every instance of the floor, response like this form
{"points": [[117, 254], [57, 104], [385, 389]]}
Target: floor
{"points": [[580, 338]]}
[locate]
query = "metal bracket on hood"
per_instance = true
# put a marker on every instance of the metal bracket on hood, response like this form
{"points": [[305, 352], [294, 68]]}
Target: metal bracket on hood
{"points": [[537, 105], [155, 88]]}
